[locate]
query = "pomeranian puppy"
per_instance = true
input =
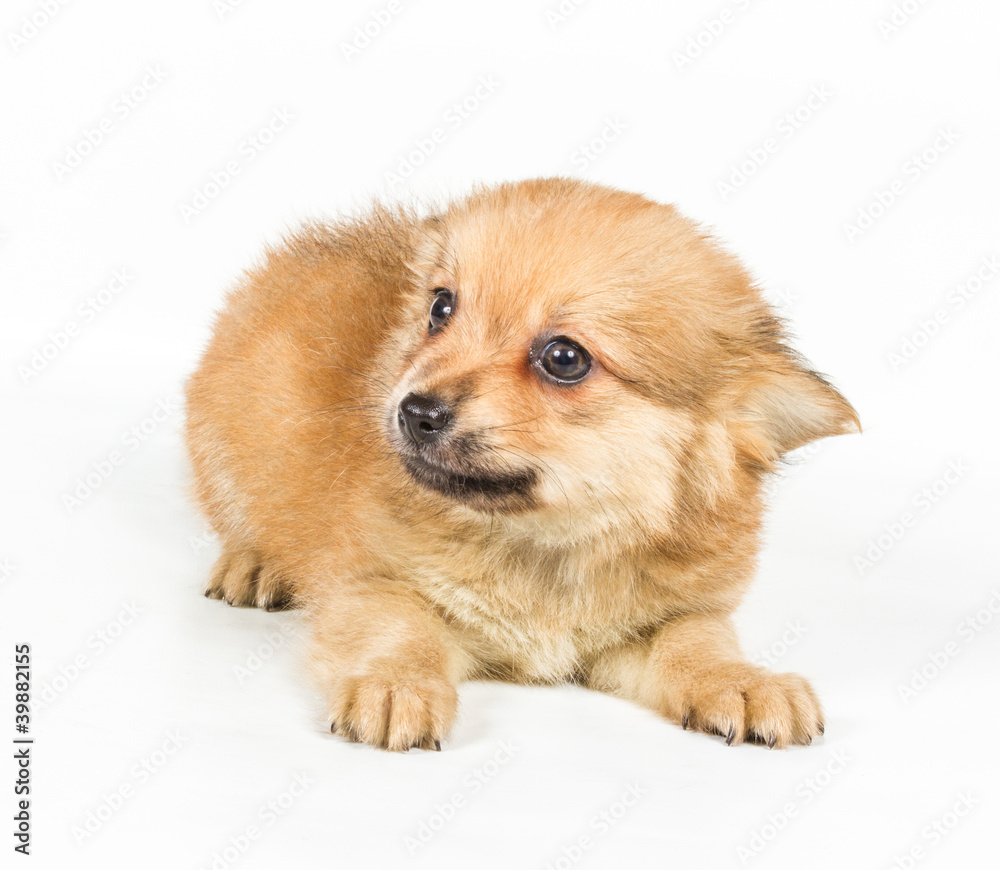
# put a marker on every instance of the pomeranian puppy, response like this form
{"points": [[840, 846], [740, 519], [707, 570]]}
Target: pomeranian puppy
{"points": [[524, 438]]}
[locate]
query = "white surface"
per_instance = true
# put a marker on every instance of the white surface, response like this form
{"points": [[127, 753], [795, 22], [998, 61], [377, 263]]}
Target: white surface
{"points": [[891, 768]]}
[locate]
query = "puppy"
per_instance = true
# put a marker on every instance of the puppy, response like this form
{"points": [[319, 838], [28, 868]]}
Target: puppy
{"points": [[523, 439]]}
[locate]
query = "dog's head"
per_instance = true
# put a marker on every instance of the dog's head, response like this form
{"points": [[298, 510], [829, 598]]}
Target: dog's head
{"points": [[591, 359]]}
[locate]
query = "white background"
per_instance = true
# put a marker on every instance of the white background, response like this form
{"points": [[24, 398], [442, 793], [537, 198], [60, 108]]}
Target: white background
{"points": [[912, 103]]}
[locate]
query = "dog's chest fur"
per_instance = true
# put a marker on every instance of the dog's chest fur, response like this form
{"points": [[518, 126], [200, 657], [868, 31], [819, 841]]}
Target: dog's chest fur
{"points": [[534, 613]]}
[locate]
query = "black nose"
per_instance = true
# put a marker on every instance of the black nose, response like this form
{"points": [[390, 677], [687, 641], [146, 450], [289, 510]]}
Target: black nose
{"points": [[422, 418]]}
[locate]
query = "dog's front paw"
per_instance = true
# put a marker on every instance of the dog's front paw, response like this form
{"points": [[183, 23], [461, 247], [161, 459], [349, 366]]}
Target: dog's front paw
{"points": [[744, 702], [394, 708], [239, 579]]}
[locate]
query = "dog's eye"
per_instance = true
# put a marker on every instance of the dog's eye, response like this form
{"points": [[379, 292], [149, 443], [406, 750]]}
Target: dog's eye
{"points": [[441, 309], [564, 360]]}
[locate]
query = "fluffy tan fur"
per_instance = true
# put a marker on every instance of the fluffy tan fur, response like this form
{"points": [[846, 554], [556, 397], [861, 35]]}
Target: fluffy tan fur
{"points": [[621, 563]]}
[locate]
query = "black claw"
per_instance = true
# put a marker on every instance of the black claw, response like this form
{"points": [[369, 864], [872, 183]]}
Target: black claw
{"points": [[731, 736], [280, 602], [771, 741], [685, 719], [437, 745], [333, 727], [822, 728]]}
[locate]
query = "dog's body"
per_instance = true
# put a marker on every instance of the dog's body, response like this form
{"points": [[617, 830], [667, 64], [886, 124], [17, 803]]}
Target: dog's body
{"points": [[459, 500]]}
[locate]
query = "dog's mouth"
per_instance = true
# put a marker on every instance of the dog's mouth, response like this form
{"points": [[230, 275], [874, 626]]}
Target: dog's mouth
{"points": [[478, 488]]}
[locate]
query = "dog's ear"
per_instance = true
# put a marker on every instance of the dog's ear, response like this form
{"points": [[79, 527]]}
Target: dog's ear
{"points": [[783, 405]]}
